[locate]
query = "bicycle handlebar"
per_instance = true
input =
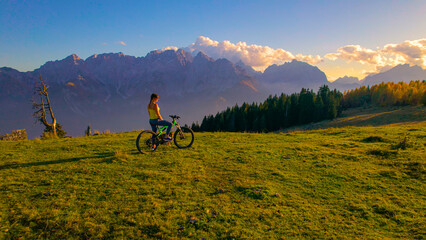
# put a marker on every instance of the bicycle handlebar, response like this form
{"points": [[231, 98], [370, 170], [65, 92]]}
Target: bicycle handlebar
{"points": [[174, 116]]}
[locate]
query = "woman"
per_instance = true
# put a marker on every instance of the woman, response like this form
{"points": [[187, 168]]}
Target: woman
{"points": [[155, 117]]}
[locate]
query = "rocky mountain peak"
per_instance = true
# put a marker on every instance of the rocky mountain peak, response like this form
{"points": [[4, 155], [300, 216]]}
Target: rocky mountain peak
{"points": [[294, 65], [106, 56], [347, 80], [291, 76], [184, 56], [153, 53], [73, 58], [202, 57]]}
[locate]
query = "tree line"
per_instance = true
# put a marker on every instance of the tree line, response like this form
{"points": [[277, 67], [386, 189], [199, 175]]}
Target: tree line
{"points": [[276, 112], [284, 111], [387, 94]]}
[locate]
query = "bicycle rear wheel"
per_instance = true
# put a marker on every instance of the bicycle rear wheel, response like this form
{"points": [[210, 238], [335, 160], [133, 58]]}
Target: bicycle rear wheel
{"points": [[184, 137], [147, 142]]}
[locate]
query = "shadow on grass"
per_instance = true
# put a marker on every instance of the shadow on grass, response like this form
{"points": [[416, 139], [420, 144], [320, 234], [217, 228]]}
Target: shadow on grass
{"points": [[67, 160]]}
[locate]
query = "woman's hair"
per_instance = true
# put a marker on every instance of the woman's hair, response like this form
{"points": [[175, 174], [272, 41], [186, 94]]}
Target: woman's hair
{"points": [[154, 95]]}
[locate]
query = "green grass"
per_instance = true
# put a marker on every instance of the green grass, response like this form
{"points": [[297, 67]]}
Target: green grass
{"points": [[337, 183], [371, 116]]}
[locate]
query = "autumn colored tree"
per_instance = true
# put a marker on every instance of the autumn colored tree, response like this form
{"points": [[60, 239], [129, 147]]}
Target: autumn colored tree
{"points": [[387, 94]]}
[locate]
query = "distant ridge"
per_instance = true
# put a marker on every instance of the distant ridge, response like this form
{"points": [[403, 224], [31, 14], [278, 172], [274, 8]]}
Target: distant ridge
{"points": [[347, 80], [398, 73], [92, 90], [403, 72], [292, 76]]}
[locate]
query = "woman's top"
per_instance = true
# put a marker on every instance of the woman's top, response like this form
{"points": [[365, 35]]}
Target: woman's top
{"points": [[153, 113]]}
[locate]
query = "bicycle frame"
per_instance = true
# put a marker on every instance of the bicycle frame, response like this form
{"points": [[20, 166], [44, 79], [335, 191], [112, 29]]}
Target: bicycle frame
{"points": [[162, 131]]}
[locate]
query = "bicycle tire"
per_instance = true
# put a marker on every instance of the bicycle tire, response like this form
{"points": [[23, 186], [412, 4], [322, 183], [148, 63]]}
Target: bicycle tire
{"points": [[180, 135], [147, 142]]}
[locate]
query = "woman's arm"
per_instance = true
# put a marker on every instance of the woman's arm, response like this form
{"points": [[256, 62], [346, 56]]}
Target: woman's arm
{"points": [[158, 112]]}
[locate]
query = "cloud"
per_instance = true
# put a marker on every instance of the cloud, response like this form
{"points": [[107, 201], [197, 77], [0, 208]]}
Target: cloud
{"points": [[257, 56], [309, 58], [354, 53], [260, 57], [412, 52], [122, 43], [170, 48]]}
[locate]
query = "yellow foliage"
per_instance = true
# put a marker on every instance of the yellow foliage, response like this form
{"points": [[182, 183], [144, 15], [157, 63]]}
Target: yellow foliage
{"points": [[387, 94]]}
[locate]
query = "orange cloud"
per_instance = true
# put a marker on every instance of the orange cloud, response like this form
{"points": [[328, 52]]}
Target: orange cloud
{"points": [[366, 60], [412, 52], [257, 56], [169, 48]]}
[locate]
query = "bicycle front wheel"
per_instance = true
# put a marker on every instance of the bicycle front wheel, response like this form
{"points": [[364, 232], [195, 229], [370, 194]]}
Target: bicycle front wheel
{"points": [[184, 137], [147, 142]]}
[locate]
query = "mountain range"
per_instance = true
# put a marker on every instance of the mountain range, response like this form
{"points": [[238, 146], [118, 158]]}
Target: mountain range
{"points": [[111, 91]]}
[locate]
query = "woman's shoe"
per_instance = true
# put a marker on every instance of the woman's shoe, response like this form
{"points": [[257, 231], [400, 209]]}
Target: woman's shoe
{"points": [[167, 139]]}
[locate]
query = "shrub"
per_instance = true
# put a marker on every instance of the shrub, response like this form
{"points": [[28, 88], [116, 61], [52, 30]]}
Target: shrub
{"points": [[16, 135], [404, 144], [60, 133], [48, 135]]}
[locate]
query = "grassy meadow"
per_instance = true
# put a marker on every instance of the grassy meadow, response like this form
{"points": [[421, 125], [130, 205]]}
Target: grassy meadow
{"points": [[335, 183], [371, 116]]}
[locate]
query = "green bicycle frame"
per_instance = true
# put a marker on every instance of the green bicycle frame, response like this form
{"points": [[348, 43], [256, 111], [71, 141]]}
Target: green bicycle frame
{"points": [[161, 130]]}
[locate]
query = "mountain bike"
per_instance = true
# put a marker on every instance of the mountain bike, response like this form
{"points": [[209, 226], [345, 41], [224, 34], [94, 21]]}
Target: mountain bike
{"points": [[148, 141]]}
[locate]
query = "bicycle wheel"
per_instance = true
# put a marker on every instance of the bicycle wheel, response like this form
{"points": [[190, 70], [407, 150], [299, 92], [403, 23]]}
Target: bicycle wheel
{"points": [[184, 137], [147, 142]]}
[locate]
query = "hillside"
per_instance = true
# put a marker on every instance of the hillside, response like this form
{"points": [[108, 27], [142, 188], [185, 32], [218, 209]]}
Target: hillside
{"points": [[339, 183], [371, 116]]}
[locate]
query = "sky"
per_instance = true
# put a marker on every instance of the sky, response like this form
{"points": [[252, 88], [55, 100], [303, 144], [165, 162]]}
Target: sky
{"points": [[341, 37]]}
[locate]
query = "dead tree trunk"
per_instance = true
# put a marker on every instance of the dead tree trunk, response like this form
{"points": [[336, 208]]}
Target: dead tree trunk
{"points": [[40, 113]]}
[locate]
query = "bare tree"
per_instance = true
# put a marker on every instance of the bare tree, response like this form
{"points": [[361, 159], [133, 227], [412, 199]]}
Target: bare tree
{"points": [[40, 107]]}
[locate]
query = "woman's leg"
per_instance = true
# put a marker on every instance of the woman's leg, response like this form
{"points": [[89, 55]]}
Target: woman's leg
{"points": [[165, 123], [153, 123]]}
